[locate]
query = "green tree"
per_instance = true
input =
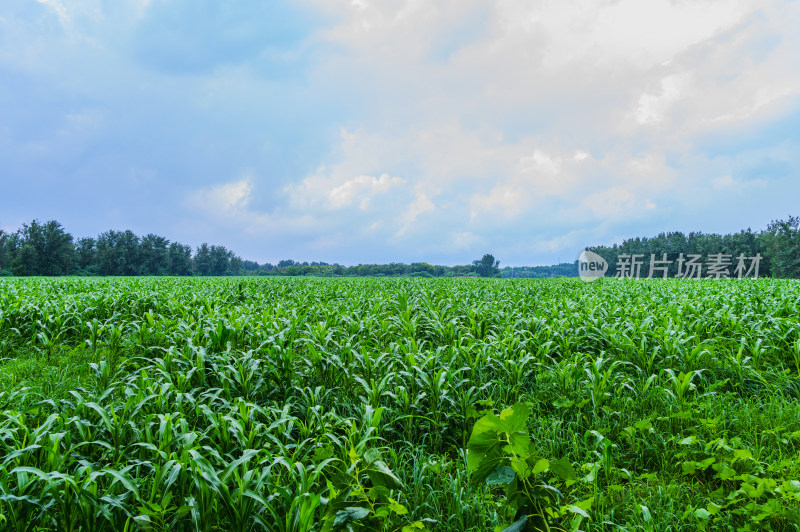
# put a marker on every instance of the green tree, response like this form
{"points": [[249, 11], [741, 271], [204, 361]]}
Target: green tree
{"points": [[25, 261], [487, 266], [86, 256], [782, 242], [250, 266], [118, 253], [154, 255], [43, 249], [4, 249], [109, 259], [203, 263], [11, 245], [220, 260], [130, 252], [235, 264], [180, 259]]}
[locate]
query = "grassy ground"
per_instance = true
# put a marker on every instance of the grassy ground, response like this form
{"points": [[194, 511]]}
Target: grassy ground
{"points": [[399, 404]]}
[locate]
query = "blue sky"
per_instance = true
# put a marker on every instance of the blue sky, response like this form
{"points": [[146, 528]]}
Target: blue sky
{"points": [[359, 131]]}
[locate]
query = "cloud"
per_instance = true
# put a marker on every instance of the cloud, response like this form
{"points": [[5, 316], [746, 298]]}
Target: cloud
{"points": [[554, 109], [465, 240], [228, 206], [652, 107], [227, 199], [421, 204], [534, 180], [406, 129], [363, 186], [59, 9], [616, 202], [336, 192]]}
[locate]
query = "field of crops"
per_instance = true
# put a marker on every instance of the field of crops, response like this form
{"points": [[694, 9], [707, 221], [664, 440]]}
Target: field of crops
{"points": [[399, 404]]}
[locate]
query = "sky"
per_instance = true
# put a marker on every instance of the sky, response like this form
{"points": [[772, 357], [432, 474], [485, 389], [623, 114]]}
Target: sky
{"points": [[364, 131]]}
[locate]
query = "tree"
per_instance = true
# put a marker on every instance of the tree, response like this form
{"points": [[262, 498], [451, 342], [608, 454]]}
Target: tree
{"points": [[203, 264], [154, 255], [25, 263], [180, 259], [4, 248], [57, 253], [250, 266], [86, 256], [782, 242], [220, 260], [118, 253], [129, 250], [109, 260], [487, 266], [42, 249], [46, 249], [235, 264], [10, 249]]}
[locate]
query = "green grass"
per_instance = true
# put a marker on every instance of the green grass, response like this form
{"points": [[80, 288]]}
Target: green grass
{"points": [[349, 404]]}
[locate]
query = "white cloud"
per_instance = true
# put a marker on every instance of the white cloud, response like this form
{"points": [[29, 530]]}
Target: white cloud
{"points": [[504, 199], [462, 123], [729, 183], [612, 203], [534, 180], [228, 206], [652, 107], [361, 188], [60, 10], [465, 240], [333, 191], [555, 113], [422, 204], [540, 161], [722, 182], [226, 199]]}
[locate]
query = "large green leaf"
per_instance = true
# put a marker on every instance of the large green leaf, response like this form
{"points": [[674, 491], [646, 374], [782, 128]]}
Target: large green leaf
{"points": [[515, 417], [380, 475], [350, 514], [563, 468], [491, 432], [500, 476], [518, 526]]}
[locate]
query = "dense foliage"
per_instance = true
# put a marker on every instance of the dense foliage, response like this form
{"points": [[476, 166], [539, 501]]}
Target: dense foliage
{"points": [[564, 269], [779, 245], [782, 247], [47, 249], [399, 404], [291, 268]]}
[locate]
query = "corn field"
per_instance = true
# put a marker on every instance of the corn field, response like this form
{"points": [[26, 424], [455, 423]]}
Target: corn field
{"points": [[296, 405]]}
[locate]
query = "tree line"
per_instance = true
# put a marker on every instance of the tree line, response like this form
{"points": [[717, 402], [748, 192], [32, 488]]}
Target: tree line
{"points": [[777, 248], [48, 249], [563, 269], [486, 266]]}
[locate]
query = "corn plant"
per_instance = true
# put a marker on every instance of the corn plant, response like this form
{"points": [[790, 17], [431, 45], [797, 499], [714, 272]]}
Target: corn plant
{"points": [[288, 404]]}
